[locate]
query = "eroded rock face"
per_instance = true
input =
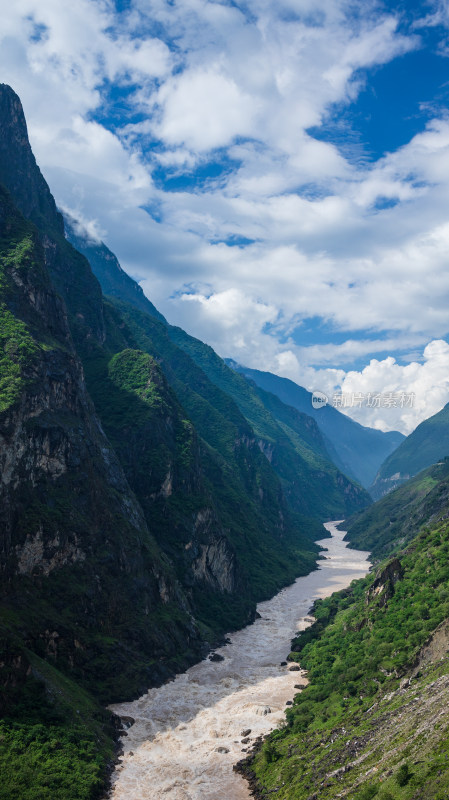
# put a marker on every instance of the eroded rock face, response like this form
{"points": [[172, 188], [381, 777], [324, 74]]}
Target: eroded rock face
{"points": [[37, 556], [213, 560], [50, 439], [70, 526], [383, 587], [216, 565]]}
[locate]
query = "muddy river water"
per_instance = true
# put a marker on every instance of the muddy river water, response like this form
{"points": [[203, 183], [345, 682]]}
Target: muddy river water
{"points": [[187, 734]]}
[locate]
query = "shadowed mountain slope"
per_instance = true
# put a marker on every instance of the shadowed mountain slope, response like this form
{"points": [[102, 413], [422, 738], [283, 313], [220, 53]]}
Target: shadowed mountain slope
{"points": [[356, 450]]}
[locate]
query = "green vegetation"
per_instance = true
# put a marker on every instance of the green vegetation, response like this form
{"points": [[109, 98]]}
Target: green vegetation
{"points": [[133, 371], [17, 351], [55, 740], [17, 346], [395, 519], [312, 483], [354, 719], [428, 444]]}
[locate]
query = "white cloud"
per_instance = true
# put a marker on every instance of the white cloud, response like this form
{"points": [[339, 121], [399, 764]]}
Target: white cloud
{"points": [[424, 384], [204, 109], [427, 383]]}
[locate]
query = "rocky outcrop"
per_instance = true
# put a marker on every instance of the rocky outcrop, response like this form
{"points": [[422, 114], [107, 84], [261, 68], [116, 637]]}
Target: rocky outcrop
{"points": [[215, 564], [382, 589]]}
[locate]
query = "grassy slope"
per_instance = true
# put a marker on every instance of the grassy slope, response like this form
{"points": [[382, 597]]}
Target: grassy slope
{"points": [[353, 731], [396, 518], [428, 444]]}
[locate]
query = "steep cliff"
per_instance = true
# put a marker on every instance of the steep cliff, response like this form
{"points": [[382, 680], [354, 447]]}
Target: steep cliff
{"points": [[198, 509], [196, 469], [211, 500], [75, 545]]}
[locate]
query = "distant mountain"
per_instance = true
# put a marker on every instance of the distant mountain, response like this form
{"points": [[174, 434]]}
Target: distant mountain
{"points": [[426, 445], [356, 450], [397, 517]]}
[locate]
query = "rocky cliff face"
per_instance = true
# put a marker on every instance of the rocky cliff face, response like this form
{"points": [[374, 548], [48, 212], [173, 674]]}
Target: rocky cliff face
{"points": [[163, 460], [74, 541]]}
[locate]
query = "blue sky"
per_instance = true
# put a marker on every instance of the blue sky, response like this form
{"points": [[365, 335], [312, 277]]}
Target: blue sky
{"points": [[275, 174]]}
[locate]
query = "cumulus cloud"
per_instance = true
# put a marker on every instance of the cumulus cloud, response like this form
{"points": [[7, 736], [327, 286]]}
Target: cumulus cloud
{"points": [[407, 393], [204, 109], [426, 383]]}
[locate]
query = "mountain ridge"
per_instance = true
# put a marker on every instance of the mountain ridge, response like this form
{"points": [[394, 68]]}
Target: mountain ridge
{"points": [[289, 461], [426, 445]]}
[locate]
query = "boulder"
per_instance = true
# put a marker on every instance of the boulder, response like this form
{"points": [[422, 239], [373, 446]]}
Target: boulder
{"points": [[216, 657]]}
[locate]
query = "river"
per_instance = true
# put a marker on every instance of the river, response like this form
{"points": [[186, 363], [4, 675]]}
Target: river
{"points": [[187, 734]]}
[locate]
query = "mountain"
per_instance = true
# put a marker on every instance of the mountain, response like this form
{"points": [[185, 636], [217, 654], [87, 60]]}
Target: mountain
{"points": [[85, 592], [426, 445], [373, 720], [78, 560], [91, 606], [313, 486], [357, 451], [312, 483], [114, 281], [398, 516]]}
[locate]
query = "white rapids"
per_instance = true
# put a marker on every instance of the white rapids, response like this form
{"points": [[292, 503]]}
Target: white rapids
{"points": [[187, 734]]}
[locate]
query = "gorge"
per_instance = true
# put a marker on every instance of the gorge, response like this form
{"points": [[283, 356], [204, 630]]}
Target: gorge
{"points": [[187, 735]]}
